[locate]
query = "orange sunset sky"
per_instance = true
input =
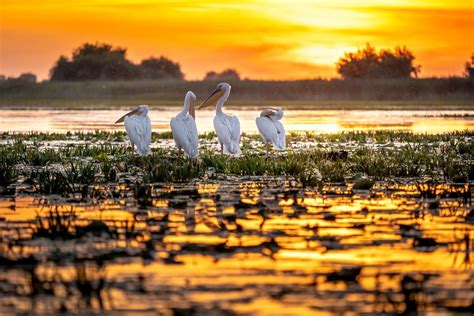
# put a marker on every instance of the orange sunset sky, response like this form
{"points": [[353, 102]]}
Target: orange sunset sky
{"points": [[271, 39]]}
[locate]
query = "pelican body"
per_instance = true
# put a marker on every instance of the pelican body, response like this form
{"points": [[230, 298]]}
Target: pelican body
{"points": [[138, 127], [183, 127], [270, 127], [227, 126]]}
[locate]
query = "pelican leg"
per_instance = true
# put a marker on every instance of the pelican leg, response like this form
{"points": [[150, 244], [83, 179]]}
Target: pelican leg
{"points": [[222, 149], [133, 148], [180, 151]]}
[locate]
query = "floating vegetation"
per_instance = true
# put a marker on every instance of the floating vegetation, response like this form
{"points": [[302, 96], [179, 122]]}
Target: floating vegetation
{"points": [[371, 222], [72, 167]]}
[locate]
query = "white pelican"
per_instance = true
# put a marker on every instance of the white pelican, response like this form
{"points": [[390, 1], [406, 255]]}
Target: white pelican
{"points": [[184, 128], [271, 128], [138, 127], [227, 126]]}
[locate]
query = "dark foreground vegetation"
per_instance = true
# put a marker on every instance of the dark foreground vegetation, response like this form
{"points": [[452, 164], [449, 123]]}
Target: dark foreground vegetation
{"points": [[348, 157], [372, 222]]}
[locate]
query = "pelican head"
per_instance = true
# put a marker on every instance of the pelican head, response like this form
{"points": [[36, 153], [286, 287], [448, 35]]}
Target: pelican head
{"points": [[190, 96], [140, 110], [222, 89], [188, 103], [276, 113]]}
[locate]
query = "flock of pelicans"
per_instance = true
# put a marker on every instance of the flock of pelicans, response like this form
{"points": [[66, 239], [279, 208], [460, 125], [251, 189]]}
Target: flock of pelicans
{"points": [[183, 126]]}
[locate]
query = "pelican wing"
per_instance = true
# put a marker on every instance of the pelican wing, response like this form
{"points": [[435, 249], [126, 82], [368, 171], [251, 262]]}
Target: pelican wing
{"points": [[271, 132], [228, 132], [267, 129], [185, 134], [139, 131], [235, 130], [281, 142]]}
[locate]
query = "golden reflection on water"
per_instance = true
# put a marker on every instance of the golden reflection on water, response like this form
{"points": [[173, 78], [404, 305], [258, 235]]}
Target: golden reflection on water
{"points": [[319, 121], [249, 193], [252, 247], [209, 188]]}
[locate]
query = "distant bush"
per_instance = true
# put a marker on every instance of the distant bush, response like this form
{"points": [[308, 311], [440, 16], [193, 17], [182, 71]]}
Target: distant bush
{"points": [[469, 67], [157, 68], [228, 74], [94, 62], [27, 77], [102, 61], [368, 64]]}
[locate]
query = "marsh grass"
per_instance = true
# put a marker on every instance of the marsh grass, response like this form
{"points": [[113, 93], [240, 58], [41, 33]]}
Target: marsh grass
{"points": [[356, 93], [463, 138], [8, 175], [76, 176], [74, 168], [55, 225], [384, 137], [95, 137]]}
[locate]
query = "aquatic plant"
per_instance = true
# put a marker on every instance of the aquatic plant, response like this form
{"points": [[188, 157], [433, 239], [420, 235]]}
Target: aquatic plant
{"points": [[55, 225], [293, 238], [74, 177], [68, 168], [8, 175]]}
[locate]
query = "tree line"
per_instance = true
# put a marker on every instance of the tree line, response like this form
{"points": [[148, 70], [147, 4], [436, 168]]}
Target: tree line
{"points": [[104, 62], [101, 61]]}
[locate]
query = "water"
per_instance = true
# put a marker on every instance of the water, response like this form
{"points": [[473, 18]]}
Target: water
{"points": [[259, 246], [240, 245], [327, 121]]}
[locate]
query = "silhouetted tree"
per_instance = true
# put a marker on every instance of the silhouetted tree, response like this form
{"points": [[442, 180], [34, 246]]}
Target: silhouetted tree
{"points": [[62, 70], [228, 74], [102, 61], [366, 63], [469, 67], [157, 68], [94, 62]]}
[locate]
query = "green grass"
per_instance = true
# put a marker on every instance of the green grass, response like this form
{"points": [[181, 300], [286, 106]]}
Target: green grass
{"points": [[378, 137], [72, 170]]}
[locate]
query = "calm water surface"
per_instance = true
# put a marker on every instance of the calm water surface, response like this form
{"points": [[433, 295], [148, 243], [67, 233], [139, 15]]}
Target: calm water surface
{"points": [[260, 247], [327, 121]]}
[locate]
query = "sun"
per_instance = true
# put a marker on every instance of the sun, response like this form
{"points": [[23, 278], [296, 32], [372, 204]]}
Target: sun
{"points": [[319, 54]]}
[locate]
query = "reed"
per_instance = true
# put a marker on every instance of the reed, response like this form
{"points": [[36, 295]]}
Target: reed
{"points": [[114, 93], [75, 169]]}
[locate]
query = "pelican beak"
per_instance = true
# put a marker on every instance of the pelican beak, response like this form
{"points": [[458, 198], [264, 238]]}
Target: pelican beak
{"points": [[212, 98], [134, 112]]}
